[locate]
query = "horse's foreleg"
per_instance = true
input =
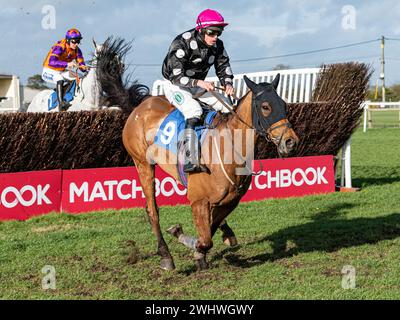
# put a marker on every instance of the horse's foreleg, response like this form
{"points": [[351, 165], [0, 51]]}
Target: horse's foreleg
{"points": [[202, 244], [186, 240], [191, 243], [146, 175], [202, 220]]}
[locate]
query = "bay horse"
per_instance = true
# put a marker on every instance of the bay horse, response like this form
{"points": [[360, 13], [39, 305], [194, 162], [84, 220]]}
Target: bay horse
{"points": [[213, 195]]}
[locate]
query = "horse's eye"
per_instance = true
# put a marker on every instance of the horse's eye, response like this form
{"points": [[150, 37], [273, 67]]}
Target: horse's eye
{"points": [[266, 106]]}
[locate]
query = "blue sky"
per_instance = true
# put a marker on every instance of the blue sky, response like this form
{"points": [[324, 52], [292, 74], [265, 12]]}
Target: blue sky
{"points": [[258, 28]]}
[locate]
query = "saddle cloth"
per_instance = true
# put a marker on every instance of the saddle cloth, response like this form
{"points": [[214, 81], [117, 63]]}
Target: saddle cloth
{"points": [[170, 133], [68, 96]]}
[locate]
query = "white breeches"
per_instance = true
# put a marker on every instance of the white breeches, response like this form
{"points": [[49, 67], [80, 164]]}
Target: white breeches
{"points": [[182, 98], [53, 76]]}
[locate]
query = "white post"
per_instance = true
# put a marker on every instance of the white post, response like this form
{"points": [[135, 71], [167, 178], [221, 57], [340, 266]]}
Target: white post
{"points": [[16, 94], [365, 117], [342, 161], [347, 163]]}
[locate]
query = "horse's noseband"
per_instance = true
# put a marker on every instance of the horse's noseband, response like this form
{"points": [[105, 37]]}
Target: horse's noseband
{"points": [[278, 141]]}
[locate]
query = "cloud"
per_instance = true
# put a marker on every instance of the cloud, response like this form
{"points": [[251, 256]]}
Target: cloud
{"points": [[271, 25], [258, 28]]}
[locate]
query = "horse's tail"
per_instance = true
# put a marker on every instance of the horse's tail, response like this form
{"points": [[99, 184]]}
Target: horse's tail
{"points": [[119, 90]]}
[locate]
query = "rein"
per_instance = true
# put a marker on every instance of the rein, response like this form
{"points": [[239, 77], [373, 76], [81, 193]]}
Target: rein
{"points": [[260, 132], [232, 111], [79, 81]]}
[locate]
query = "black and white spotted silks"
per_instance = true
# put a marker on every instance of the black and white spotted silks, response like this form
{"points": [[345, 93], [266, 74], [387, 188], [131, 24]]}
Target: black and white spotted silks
{"points": [[190, 59]]}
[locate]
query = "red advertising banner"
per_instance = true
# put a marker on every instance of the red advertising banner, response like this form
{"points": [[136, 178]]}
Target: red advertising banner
{"points": [[115, 188], [28, 194], [292, 177], [23, 195]]}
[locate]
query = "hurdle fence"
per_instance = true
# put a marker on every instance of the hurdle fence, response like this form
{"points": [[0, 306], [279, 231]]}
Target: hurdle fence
{"points": [[295, 86]]}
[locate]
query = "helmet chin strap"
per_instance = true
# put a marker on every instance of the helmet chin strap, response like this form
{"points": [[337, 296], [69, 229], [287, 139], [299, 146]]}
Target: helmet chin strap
{"points": [[203, 34]]}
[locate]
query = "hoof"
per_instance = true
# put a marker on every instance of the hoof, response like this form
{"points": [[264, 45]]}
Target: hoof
{"points": [[176, 231], [167, 264], [230, 241], [201, 265]]}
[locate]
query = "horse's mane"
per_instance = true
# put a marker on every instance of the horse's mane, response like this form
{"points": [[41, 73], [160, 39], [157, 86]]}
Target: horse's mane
{"points": [[238, 103], [115, 86]]}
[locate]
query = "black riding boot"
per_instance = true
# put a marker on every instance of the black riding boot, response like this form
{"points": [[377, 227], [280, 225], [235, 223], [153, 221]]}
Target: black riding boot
{"points": [[192, 148], [60, 95]]}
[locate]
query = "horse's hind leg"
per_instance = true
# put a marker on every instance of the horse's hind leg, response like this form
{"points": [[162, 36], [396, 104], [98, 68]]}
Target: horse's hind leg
{"points": [[219, 222], [228, 236], [146, 175]]}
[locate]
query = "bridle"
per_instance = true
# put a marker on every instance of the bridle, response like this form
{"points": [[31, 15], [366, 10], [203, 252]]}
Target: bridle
{"points": [[264, 131], [259, 128], [265, 128]]}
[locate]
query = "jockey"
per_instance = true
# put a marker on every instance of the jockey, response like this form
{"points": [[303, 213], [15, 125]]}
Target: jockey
{"points": [[186, 65], [63, 55]]}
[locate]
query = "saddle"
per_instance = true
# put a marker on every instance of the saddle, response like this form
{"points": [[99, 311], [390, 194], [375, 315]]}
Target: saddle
{"points": [[206, 109]]}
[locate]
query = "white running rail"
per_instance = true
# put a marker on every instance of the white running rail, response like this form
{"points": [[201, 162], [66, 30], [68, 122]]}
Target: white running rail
{"points": [[296, 85], [377, 106]]}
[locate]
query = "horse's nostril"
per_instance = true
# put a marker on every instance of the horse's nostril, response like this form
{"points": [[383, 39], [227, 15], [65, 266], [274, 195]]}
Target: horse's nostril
{"points": [[290, 143]]}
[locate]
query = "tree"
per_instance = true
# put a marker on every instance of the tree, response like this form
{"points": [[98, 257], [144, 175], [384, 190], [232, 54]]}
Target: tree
{"points": [[281, 66], [36, 82], [392, 93]]}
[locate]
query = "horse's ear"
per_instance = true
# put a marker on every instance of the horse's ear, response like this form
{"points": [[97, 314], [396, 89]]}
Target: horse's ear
{"points": [[275, 83], [250, 84]]}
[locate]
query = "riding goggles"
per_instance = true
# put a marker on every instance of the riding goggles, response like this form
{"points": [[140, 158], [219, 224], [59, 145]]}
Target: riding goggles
{"points": [[212, 32]]}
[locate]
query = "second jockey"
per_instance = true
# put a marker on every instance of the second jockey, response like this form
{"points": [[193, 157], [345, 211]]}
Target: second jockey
{"points": [[190, 57], [63, 55]]}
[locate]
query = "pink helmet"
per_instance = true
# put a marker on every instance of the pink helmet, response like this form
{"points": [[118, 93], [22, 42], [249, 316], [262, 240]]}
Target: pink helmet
{"points": [[208, 18]]}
